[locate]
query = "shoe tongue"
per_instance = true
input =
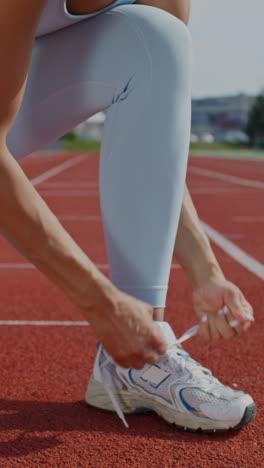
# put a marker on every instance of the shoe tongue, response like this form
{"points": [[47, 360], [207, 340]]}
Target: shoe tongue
{"points": [[167, 332]]}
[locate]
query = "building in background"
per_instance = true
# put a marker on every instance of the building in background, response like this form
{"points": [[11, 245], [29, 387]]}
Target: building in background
{"points": [[213, 119], [221, 118], [92, 129]]}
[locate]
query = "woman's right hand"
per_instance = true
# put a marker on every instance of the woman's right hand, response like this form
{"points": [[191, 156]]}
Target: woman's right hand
{"points": [[125, 328]]}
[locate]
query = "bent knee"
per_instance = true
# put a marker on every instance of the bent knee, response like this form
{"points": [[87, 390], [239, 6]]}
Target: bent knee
{"points": [[156, 24], [164, 39]]}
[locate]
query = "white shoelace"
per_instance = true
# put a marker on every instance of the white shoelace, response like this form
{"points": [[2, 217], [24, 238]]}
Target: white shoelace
{"points": [[99, 375]]}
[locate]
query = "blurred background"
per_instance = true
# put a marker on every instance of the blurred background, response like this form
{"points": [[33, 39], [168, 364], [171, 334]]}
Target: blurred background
{"points": [[228, 82]]}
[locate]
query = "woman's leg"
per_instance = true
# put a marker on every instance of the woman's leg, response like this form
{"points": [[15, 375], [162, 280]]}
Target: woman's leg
{"points": [[133, 62]]}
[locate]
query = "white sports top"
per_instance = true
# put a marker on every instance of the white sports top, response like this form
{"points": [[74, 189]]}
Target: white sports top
{"points": [[55, 15]]}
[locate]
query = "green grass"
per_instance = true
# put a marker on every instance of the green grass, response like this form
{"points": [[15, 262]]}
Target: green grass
{"points": [[218, 146], [82, 145], [228, 151], [224, 150]]}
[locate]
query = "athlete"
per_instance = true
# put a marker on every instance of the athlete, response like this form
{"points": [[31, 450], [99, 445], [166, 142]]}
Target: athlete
{"points": [[63, 61]]}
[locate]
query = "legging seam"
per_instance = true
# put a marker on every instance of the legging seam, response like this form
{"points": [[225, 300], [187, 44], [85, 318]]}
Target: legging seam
{"points": [[141, 38], [139, 33], [68, 88]]}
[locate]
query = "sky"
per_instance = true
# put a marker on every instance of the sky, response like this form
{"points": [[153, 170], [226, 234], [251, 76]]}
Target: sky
{"points": [[228, 42]]}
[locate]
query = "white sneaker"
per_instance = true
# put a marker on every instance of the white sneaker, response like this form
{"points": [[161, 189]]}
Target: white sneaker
{"points": [[177, 388]]}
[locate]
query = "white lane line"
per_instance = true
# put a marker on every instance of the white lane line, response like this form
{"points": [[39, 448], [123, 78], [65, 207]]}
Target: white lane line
{"points": [[79, 218], [58, 169], [228, 178], [44, 323], [68, 193], [175, 266], [16, 266], [215, 191], [70, 184], [29, 266], [102, 266], [234, 235], [250, 263], [248, 219]]}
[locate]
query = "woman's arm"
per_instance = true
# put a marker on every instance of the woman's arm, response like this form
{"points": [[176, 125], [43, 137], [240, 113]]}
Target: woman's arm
{"points": [[122, 323], [211, 290], [24, 217], [178, 8], [192, 246]]}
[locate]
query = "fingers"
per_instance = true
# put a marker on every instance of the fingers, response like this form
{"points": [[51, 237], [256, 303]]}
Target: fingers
{"points": [[239, 306], [222, 325], [234, 318], [215, 331], [143, 347], [233, 322], [239, 309], [223, 322], [215, 327], [204, 330], [137, 359]]}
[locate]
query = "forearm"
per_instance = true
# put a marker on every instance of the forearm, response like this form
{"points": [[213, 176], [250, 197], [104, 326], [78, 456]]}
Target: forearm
{"points": [[29, 224], [178, 8], [192, 246], [25, 219]]}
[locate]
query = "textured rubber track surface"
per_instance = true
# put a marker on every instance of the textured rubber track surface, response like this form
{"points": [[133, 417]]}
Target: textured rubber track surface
{"points": [[248, 416], [44, 370]]}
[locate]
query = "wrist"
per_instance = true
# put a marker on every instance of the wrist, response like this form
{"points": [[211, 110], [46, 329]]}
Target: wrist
{"points": [[207, 272], [199, 262], [100, 295]]}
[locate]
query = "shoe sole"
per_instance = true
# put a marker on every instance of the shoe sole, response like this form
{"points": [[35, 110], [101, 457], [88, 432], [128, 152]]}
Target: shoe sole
{"points": [[97, 397]]}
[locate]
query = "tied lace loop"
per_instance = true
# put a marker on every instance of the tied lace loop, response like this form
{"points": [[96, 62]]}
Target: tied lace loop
{"points": [[188, 334], [100, 377], [198, 370]]}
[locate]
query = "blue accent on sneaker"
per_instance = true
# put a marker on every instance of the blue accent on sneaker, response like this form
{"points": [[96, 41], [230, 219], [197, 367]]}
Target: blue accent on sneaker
{"points": [[152, 384], [187, 406]]}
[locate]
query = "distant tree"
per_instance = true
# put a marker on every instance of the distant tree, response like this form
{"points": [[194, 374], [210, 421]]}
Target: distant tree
{"points": [[70, 136], [255, 125]]}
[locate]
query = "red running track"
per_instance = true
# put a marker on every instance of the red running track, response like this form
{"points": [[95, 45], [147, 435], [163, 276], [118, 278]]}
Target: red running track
{"points": [[44, 370]]}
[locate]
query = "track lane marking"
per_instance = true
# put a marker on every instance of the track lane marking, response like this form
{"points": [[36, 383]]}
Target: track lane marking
{"points": [[223, 191], [227, 178], [246, 260], [58, 169], [231, 249], [29, 266], [248, 219], [44, 323], [70, 184], [68, 193], [79, 218]]}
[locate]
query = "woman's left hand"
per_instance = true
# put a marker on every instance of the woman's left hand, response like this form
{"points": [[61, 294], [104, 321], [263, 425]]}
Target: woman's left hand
{"points": [[215, 294]]}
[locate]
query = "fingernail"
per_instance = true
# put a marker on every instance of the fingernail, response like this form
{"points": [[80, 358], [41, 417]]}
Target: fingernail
{"points": [[249, 316], [223, 311], [234, 323], [247, 312]]}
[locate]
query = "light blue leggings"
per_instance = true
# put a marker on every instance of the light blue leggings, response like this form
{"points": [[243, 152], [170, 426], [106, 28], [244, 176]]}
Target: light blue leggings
{"points": [[134, 62]]}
